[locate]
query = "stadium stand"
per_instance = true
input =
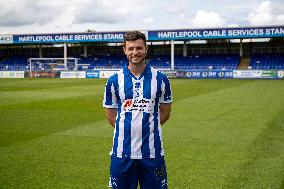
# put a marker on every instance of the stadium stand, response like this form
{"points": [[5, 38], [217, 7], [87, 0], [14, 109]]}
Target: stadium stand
{"points": [[207, 62], [163, 62], [267, 61], [192, 62], [102, 62], [197, 62], [14, 63]]}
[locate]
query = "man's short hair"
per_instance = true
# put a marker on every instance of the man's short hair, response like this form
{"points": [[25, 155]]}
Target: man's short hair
{"points": [[133, 36]]}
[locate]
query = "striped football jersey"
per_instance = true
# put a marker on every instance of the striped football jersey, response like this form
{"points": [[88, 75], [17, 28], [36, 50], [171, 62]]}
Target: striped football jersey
{"points": [[137, 132]]}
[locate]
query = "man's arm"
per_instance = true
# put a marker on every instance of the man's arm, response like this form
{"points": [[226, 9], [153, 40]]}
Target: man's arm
{"points": [[165, 111], [111, 115]]}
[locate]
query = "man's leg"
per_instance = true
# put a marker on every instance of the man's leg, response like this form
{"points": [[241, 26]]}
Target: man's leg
{"points": [[123, 173], [153, 174]]}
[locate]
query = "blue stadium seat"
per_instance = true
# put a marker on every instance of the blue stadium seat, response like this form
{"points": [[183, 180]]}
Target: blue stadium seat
{"points": [[267, 61]]}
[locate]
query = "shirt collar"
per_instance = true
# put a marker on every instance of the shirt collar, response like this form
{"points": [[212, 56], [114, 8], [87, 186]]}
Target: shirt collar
{"points": [[127, 71]]}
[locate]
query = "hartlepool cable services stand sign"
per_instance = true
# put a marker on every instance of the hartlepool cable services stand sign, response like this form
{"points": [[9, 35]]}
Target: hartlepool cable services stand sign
{"points": [[226, 33], [70, 38]]}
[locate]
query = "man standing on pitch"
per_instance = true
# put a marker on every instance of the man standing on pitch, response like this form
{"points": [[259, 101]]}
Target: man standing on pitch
{"points": [[137, 101]]}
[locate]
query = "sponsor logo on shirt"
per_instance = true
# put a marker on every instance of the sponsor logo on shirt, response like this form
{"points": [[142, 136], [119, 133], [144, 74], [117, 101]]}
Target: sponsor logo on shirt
{"points": [[142, 105]]}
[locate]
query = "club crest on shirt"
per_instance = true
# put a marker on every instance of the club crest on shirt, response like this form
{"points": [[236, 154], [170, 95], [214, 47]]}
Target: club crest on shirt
{"points": [[143, 105], [137, 90], [137, 85]]}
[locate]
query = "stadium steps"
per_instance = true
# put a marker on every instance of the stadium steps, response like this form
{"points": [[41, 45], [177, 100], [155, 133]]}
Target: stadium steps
{"points": [[244, 64]]}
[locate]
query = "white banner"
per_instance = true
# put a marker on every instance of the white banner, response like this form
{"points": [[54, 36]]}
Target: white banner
{"points": [[107, 74], [12, 74], [241, 74], [73, 74]]}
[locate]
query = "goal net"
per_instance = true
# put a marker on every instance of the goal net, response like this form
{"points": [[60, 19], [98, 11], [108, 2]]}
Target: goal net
{"points": [[51, 67]]}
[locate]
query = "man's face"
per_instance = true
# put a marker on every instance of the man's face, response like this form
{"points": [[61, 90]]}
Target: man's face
{"points": [[135, 51]]}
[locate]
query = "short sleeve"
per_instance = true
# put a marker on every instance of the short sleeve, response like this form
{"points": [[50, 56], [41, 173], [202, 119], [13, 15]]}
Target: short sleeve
{"points": [[166, 91], [110, 100]]}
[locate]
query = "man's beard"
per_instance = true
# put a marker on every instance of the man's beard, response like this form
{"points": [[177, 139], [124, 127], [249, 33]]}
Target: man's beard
{"points": [[139, 59]]}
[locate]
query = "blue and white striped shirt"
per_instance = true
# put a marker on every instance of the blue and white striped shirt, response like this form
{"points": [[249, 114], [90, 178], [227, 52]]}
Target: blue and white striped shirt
{"points": [[137, 133]]}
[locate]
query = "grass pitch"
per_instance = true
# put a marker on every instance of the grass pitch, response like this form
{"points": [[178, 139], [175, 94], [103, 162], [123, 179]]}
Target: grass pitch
{"points": [[221, 134]]}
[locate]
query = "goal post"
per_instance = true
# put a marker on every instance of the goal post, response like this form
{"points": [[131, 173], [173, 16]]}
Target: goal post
{"points": [[47, 67]]}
